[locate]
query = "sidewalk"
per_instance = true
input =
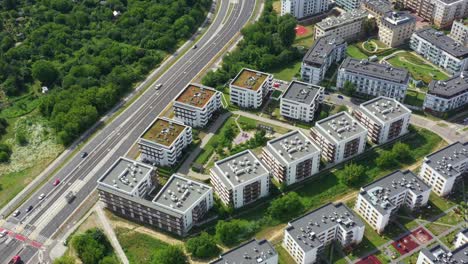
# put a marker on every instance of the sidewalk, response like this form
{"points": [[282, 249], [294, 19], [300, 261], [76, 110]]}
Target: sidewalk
{"points": [[109, 231]]}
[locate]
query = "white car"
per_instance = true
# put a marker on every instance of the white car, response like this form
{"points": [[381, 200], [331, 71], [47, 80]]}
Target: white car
{"points": [[16, 213], [158, 86], [41, 196], [3, 233]]}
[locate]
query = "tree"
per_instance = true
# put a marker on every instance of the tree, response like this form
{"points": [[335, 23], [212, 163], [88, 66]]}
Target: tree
{"points": [[402, 152], [351, 174], [386, 159], [65, 260], [286, 207], [231, 232], [169, 255], [287, 29], [45, 72], [203, 246], [91, 246], [109, 260], [369, 27], [349, 88]]}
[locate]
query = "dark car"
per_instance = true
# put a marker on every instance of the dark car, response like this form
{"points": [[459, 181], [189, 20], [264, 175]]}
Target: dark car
{"points": [[195, 46], [340, 97], [29, 209], [84, 154]]}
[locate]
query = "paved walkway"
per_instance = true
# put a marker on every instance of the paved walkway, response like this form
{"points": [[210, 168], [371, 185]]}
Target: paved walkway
{"points": [[109, 231]]}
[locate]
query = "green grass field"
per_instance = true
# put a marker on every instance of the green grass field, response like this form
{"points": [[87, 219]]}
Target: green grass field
{"points": [[287, 72], [418, 68], [138, 247], [414, 98], [355, 52], [306, 40]]}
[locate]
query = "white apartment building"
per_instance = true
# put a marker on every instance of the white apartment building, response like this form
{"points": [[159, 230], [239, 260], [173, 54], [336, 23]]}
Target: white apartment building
{"points": [[163, 142], [292, 157], [240, 179], [444, 167], [440, 49], [324, 52], [301, 101], [252, 252], [377, 8], [446, 11], [379, 201], [339, 136], [374, 79], [396, 28], [440, 255], [462, 238], [459, 32], [348, 5], [385, 119], [304, 8], [196, 104], [249, 88], [347, 26], [306, 237], [447, 95]]}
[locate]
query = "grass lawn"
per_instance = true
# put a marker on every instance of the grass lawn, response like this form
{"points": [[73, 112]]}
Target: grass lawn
{"points": [[437, 229], [408, 223], [383, 257], [414, 98], [306, 40], [355, 52], [449, 239], [287, 72], [138, 247], [418, 68], [412, 258], [243, 120], [442, 203], [283, 255]]}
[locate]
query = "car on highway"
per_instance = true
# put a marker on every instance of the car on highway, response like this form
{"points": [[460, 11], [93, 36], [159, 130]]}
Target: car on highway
{"points": [[158, 86], [56, 182], [84, 154], [29, 209], [3, 233], [195, 46], [15, 260], [340, 97], [16, 213], [41, 196]]}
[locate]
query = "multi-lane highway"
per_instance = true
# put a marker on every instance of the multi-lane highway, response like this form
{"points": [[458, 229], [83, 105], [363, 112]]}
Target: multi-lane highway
{"points": [[116, 138]]}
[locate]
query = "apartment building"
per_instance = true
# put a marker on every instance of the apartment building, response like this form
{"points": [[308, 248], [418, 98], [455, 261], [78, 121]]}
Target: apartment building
{"points": [[252, 252], [249, 88], [301, 101], [462, 238], [396, 28], [439, 49], [459, 31], [439, 254], [439, 12], [447, 95], [304, 8], [306, 237], [292, 157], [379, 201], [377, 8], [164, 141], [240, 179], [339, 136], [347, 26], [181, 203], [324, 52], [348, 5], [385, 119], [374, 79], [443, 168], [196, 104]]}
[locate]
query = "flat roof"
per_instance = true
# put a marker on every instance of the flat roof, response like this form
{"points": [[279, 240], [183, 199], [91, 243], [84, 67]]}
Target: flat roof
{"points": [[348, 17], [439, 254], [451, 87], [380, 6], [340, 126], [180, 193], [302, 92], [292, 146], [443, 42], [305, 229], [252, 252], [378, 192], [321, 49], [163, 131], [196, 95], [397, 18], [238, 168], [125, 175], [443, 160], [250, 79], [375, 70], [383, 109]]}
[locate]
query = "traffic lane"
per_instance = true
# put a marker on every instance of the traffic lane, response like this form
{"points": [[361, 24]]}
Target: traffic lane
{"points": [[9, 249]]}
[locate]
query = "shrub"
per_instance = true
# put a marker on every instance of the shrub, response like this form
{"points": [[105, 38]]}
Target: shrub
{"points": [[203, 246], [234, 231], [286, 207], [351, 174], [169, 255], [387, 159]]}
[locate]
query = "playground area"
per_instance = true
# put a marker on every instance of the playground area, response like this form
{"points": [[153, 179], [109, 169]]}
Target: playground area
{"points": [[369, 260], [301, 30], [405, 245], [422, 235]]}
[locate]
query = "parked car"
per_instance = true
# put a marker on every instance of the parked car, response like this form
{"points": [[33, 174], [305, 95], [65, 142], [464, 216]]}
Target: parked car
{"points": [[56, 182]]}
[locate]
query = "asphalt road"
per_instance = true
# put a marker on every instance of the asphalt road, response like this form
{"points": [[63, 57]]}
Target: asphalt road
{"points": [[116, 138]]}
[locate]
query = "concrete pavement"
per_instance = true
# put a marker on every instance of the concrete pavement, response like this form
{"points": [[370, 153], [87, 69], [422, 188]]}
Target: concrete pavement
{"points": [[109, 231]]}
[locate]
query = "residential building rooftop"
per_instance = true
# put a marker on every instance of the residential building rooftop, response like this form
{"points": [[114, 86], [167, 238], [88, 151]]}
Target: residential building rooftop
{"points": [[332, 22], [442, 160], [340, 126], [196, 95], [451, 87], [291, 146], [306, 228], [443, 42], [375, 70], [441, 255], [380, 6], [379, 191], [321, 49], [249, 79], [382, 109], [252, 252], [163, 131], [302, 92], [397, 18]]}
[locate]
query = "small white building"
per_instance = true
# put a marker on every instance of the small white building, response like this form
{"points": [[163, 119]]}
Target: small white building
{"points": [[304, 8], [249, 88], [163, 142], [339, 136], [252, 252], [306, 237], [462, 238], [292, 157], [444, 167], [447, 95], [301, 101], [385, 119], [440, 255], [459, 31], [240, 179], [381, 199], [196, 104], [347, 26]]}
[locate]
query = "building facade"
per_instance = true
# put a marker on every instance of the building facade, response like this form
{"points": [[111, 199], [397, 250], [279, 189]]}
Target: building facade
{"points": [[373, 79], [306, 237], [252, 252], [443, 168], [385, 119], [164, 141], [339, 136], [348, 5], [291, 158], [304, 8], [196, 104], [249, 88], [347, 26], [459, 31], [379, 201], [462, 238], [324, 52], [301, 101], [447, 95], [240, 179], [396, 28], [440, 255]]}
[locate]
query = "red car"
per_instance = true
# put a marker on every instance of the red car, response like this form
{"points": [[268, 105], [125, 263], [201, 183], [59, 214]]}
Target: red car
{"points": [[56, 182], [15, 260]]}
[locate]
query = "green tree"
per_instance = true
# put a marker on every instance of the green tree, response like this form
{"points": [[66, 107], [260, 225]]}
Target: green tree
{"points": [[286, 207], [203, 246], [402, 152], [109, 260], [169, 255], [21, 139], [287, 29], [45, 72], [387, 159], [351, 174], [91, 246], [349, 88], [65, 260], [231, 232]]}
